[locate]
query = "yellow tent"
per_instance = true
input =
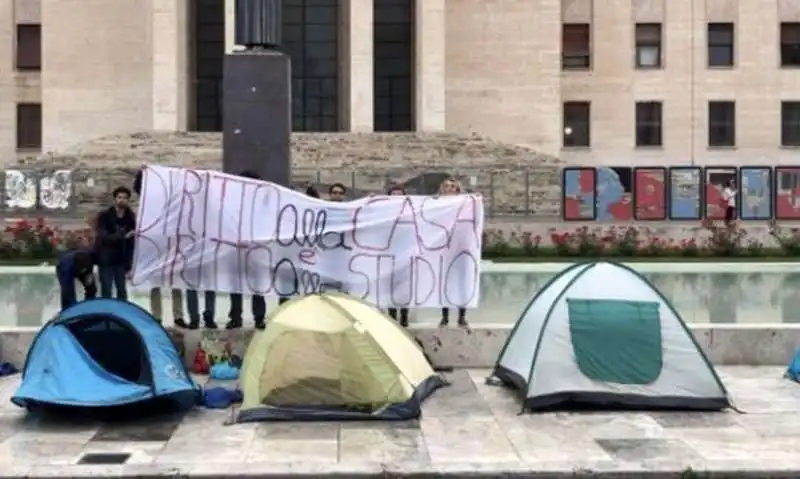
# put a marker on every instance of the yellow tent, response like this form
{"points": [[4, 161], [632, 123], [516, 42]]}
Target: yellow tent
{"points": [[332, 356]]}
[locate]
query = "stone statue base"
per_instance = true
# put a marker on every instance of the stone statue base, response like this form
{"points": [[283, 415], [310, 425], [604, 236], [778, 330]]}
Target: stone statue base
{"points": [[257, 114]]}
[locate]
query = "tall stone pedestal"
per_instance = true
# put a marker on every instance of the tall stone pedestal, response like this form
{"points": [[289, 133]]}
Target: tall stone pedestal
{"points": [[257, 114]]}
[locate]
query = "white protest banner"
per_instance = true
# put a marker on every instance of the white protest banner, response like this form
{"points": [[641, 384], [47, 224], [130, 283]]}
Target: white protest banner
{"points": [[209, 231]]}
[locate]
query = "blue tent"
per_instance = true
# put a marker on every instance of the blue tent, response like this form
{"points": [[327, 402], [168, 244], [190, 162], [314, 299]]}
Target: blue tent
{"points": [[100, 353], [793, 371]]}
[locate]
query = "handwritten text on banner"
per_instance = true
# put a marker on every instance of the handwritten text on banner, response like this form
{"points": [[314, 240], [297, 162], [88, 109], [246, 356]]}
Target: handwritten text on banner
{"points": [[206, 230]]}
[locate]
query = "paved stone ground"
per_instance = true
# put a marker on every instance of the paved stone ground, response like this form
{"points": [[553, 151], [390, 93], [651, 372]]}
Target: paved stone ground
{"points": [[468, 430]]}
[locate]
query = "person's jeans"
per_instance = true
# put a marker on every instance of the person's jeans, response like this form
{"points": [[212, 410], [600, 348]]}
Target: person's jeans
{"points": [[259, 305], [157, 308], [113, 277], [68, 294], [193, 306]]}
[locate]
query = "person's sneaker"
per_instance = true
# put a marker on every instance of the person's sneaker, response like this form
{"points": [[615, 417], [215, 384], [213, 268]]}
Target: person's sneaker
{"points": [[208, 322], [179, 322], [404, 322], [235, 323], [193, 324], [444, 322], [463, 322], [260, 324]]}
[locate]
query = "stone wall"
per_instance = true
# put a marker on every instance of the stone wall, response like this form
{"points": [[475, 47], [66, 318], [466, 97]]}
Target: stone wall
{"points": [[514, 179]]}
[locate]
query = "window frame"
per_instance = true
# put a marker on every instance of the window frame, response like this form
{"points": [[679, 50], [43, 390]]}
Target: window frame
{"points": [[309, 30], [722, 129], [649, 119], [581, 136], [790, 127], [789, 41], [28, 58], [643, 40], [393, 45], [576, 59], [713, 42], [23, 129]]}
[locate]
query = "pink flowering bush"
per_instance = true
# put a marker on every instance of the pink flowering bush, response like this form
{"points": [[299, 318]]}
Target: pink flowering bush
{"points": [[632, 241], [37, 240]]}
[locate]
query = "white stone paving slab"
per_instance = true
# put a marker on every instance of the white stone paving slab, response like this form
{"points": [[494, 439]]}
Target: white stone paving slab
{"points": [[467, 428]]}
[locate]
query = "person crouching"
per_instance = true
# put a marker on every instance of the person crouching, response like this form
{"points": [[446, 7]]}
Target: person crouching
{"points": [[76, 265]]}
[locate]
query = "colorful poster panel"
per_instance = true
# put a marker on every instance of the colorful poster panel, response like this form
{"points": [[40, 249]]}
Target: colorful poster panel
{"points": [[578, 201], [614, 194], [787, 193], [650, 194], [685, 193], [716, 179], [755, 193]]}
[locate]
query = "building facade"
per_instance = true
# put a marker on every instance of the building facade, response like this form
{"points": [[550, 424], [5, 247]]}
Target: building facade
{"points": [[618, 82]]}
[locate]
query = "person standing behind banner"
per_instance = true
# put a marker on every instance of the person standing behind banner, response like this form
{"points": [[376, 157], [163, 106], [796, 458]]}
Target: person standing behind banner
{"points": [[337, 193], [398, 190], [450, 187], [258, 303], [312, 192], [156, 301], [193, 307], [114, 245]]}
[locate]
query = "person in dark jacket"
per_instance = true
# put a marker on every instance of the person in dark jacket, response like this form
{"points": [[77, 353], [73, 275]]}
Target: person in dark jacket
{"points": [[312, 192], [76, 265], [258, 303], [398, 190], [137, 181], [116, 228]]}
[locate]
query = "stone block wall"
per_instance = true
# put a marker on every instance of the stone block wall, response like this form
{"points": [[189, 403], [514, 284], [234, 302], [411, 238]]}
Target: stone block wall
{"points": [[513, 179]]}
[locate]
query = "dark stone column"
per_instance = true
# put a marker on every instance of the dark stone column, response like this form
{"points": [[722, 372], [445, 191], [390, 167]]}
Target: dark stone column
{"points": [[257, 96]]}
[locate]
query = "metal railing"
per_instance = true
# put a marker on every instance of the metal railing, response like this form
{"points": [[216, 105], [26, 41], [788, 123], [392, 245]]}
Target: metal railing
{"points": [[65, 193]]}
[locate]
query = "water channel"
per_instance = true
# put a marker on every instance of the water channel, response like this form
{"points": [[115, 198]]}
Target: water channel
{"points": [[702, 293]]}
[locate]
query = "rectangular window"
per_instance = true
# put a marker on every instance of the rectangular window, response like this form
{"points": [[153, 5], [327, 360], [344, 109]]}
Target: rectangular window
{"points": [[648, 45], [576, 49], [790, 123], [648, 123], [29, 47], [310, 38], [790, 44], [721, 123], [29, 126], [720, 44], [393, 60], [577, 121]]}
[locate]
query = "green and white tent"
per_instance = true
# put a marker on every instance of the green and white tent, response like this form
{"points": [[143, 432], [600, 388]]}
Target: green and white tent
{"points": [[601, 335]]}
